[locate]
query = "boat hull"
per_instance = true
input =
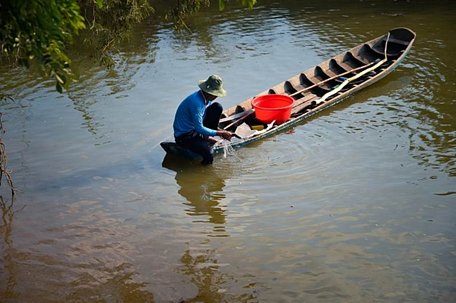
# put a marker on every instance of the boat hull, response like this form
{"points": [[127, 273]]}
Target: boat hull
{"points": [[321, 86]]}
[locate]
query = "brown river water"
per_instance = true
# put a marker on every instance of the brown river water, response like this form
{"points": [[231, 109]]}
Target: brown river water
{"points": [[356, 204]]}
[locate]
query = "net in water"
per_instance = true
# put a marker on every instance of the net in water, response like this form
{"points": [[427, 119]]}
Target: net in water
{"points": [[228, 149]]}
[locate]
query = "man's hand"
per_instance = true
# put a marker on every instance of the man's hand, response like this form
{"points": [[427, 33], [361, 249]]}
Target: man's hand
{"points": [[212, 140], [225, 134]]}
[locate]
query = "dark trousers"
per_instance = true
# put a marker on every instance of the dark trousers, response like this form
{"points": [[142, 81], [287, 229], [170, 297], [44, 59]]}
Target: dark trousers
{"points": [[199, 143]]}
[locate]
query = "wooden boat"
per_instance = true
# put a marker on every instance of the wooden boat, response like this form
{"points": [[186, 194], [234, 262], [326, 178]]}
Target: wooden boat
{"points": [[317, 88]]}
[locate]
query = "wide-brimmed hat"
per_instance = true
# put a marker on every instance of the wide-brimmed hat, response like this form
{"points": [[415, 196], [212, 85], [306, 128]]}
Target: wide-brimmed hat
{"points": [[213, 85]]}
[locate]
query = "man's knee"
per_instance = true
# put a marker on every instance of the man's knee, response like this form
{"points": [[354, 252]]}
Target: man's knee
{"points": [[217, 107], [212, 115]]}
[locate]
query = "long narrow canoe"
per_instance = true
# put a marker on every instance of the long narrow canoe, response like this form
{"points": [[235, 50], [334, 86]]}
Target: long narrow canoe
{"points": [[317, 88]]}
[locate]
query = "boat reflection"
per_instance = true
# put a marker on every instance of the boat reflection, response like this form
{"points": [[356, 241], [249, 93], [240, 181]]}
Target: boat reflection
{"points": [[202, 187]]}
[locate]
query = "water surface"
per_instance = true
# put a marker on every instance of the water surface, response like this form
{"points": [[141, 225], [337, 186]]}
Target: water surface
{"points": [[353, 205]]}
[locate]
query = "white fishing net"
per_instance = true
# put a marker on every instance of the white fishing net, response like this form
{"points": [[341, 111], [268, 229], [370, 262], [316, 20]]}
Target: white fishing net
{"points": [[228, 149], [243, 132]]}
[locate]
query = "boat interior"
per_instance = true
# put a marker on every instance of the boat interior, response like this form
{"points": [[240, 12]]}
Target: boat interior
{"points": [[308, 87]]}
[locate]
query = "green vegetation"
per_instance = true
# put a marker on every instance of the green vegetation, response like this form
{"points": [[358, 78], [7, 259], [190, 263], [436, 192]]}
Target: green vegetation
{"points": [[37, 33]]}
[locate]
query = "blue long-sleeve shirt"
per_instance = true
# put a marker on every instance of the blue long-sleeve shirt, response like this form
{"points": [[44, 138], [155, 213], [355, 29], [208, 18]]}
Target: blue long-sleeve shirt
{"points": [[190, 114]]}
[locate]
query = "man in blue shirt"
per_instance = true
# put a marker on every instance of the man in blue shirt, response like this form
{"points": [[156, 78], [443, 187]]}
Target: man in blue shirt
{"points": [[197, 118]]}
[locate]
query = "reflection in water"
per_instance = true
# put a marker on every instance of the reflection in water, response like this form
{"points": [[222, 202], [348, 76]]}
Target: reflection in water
{"points": [[96, 81], [213, 285], [202, 187], [7, 273], [203, 271]]}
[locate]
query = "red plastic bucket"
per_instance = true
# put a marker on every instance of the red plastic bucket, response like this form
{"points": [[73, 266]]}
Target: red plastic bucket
{"points": [[273, 107]]}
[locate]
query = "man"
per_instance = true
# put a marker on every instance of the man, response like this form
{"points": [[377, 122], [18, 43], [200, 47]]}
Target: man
{"points": [[197, 118]]}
